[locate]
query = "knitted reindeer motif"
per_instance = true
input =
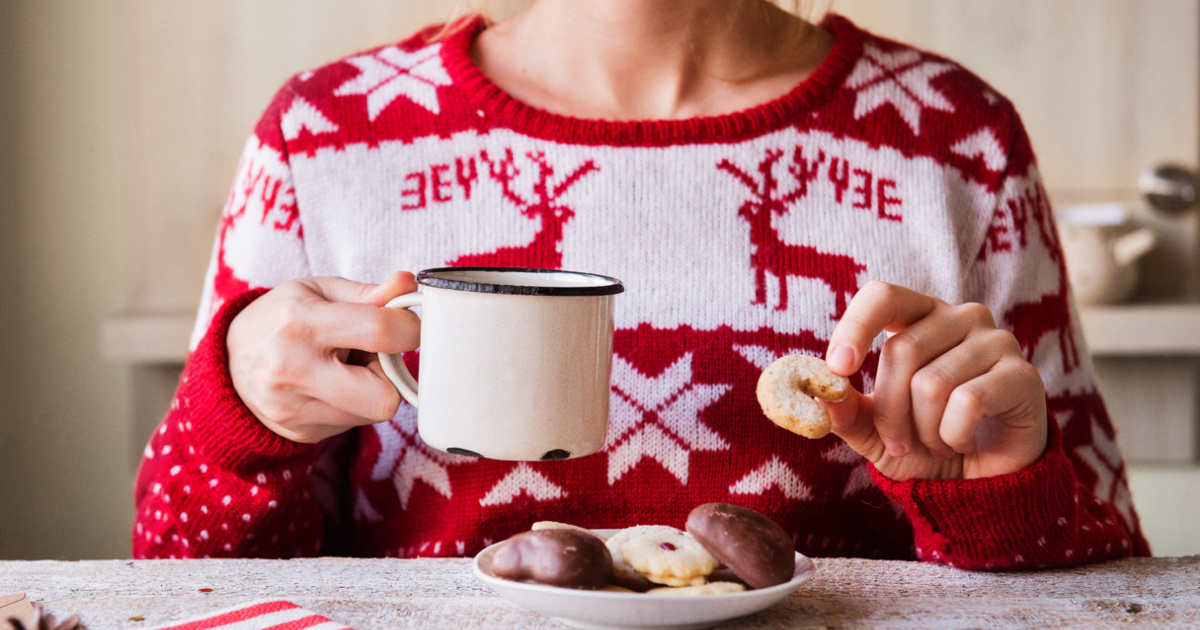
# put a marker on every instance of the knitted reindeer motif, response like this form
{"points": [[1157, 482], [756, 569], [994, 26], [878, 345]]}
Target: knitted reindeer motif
{"points": [[226, 282], [782, 260], [268, 188], [544, 250], [1031, 321]]}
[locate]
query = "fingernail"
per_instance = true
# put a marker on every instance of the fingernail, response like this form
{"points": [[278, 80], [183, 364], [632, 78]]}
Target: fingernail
{"points": [[895, 448], [841, 358]]}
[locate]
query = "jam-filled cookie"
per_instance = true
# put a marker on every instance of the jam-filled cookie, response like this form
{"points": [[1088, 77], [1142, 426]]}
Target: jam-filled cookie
{"points": [[667, 556], [624, 574]]}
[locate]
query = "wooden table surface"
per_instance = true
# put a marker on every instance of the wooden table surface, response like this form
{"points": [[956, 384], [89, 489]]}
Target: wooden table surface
{"points": [[431, 593]]}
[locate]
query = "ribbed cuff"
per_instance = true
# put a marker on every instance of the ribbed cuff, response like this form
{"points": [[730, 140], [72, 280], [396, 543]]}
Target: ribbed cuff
{"points": [[992, 522], [229, 434]]}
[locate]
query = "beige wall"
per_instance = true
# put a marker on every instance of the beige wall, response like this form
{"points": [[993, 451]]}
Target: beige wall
{"points": [[216, 63], [121, 122], [8, 278], [64, 478]]}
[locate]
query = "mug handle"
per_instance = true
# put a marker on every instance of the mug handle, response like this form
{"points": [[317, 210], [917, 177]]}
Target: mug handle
{"points": [[392, 364]]}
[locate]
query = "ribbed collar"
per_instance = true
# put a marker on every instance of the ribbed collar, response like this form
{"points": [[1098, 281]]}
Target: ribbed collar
{"points": [[502, 110]]}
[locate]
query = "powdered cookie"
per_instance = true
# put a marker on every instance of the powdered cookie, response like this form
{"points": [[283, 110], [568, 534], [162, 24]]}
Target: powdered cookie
{"points": [[788, 389], [669, 557], [623, 574], [708, 588]]}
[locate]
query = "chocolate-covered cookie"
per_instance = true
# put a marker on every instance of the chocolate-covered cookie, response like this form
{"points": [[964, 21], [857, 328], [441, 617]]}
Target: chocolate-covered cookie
{"points": [[558, 557], [756, 548]]}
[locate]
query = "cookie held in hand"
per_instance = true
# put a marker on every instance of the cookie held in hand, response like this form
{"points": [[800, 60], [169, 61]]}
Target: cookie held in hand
{"points": [[788, 391]]}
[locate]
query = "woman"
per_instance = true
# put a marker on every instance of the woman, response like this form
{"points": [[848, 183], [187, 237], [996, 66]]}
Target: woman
{"points": [[763, 186]]}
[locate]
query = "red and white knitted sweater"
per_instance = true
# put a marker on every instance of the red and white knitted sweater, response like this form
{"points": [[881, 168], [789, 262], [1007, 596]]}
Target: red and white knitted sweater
{"points": [[739, 239]]}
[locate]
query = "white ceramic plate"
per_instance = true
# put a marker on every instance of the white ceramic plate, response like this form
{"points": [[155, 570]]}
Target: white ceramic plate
{"points": [[595, 610]]}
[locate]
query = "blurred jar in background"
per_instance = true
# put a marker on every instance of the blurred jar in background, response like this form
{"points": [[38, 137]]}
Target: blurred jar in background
{"points": [[1102, 250]]}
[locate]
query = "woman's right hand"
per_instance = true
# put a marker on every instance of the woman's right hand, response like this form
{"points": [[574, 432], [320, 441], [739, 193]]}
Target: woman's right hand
{"points": [[303, 355]]}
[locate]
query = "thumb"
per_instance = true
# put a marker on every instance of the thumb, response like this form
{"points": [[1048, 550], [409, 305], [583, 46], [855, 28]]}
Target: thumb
{"points": [[335, 289], [853, 420]]}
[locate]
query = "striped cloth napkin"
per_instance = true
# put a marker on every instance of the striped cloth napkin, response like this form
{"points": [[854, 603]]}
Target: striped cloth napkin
{"points": [[270, 615]]}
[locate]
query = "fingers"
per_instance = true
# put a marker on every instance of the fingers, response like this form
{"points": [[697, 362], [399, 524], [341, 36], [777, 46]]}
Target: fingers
{"points": [[951, 390], [934, 348], [336, 289], [314, 421], [925, 328], [876, 308], [353, 317], [1011, 394], [853, 420], [934, 385], [306, 397], [360, 391], [329, 313], [291, 359], [902, 400], [332, 325]]}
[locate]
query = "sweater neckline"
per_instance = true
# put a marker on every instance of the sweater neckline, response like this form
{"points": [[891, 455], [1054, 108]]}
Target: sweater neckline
{"points": [[502, 110]]}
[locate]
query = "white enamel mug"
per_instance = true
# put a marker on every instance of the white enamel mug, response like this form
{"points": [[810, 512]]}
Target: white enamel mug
{"points": [[515, 364]]}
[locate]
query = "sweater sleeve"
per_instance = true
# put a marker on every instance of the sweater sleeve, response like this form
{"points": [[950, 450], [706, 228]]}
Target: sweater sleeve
{"points": [[213, 480], [1073, 505]]}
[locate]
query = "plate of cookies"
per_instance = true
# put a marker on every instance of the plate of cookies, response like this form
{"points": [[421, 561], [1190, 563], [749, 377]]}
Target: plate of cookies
{"points": [[729, 562]]}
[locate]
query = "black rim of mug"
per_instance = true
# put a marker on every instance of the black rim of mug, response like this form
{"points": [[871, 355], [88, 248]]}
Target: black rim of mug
{"points": [[432, 278]]}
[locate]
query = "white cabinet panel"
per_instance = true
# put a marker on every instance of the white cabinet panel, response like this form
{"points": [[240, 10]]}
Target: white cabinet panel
{"points": [[1168, 501]]}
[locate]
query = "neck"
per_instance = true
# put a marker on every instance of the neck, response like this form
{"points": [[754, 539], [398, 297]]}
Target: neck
{"points": [[648, 59]]}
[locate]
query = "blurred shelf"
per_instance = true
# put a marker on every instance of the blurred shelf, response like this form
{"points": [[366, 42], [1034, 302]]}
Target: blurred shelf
{"points": [[1142, 329], [1129, 330], [146, 339]]}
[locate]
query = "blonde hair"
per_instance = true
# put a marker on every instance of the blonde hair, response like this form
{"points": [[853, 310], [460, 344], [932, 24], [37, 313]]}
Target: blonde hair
{"points": [[462, 15]]}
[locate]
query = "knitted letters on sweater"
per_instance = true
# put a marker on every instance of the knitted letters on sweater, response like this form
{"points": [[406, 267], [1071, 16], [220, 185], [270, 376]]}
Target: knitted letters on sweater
{"points": [[739, 238]]}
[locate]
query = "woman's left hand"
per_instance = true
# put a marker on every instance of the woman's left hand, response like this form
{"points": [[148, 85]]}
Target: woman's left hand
{"points": [[954, 396]]}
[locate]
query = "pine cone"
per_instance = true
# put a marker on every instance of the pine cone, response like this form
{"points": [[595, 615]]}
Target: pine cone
{"points": [[41, 620]]}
